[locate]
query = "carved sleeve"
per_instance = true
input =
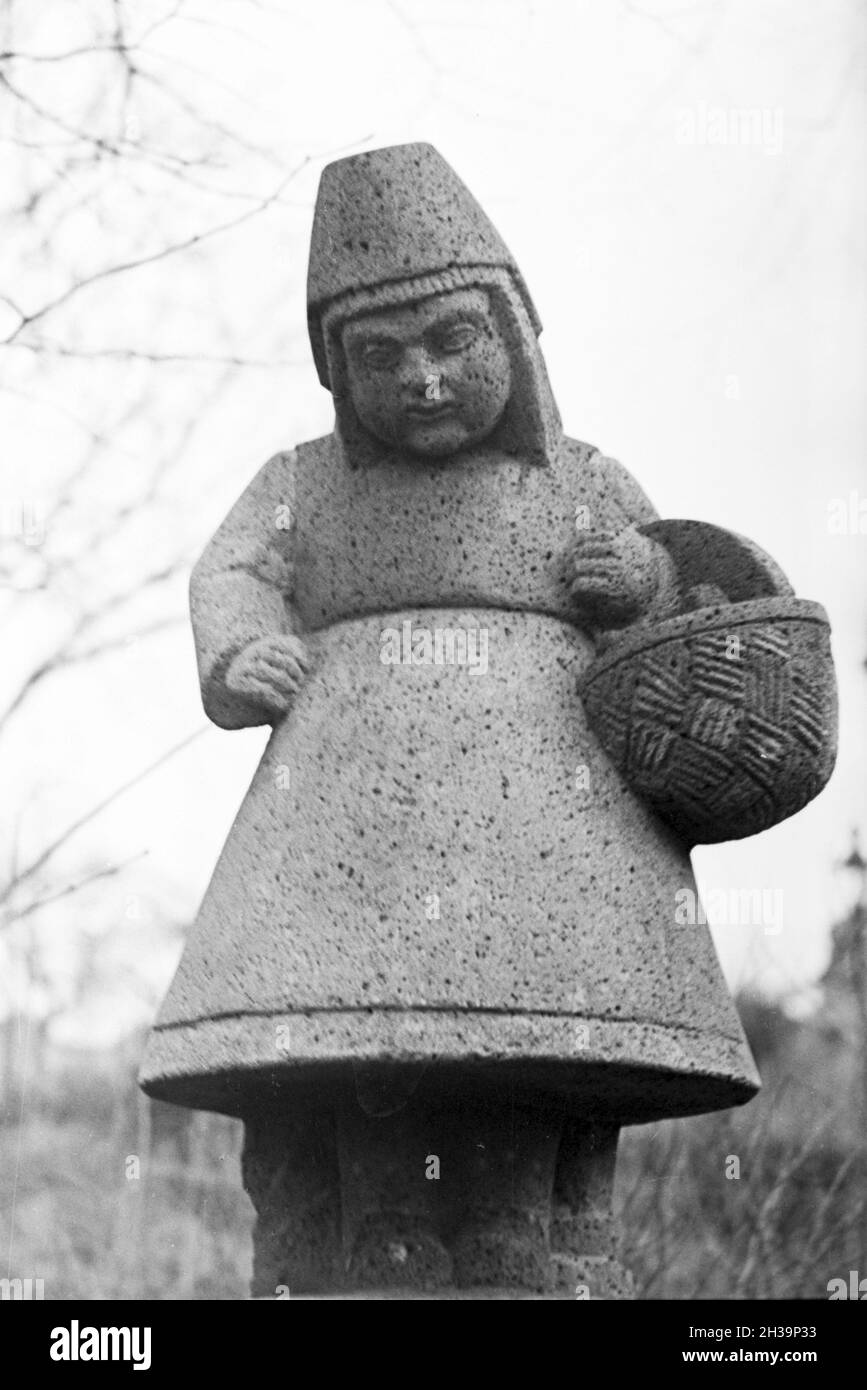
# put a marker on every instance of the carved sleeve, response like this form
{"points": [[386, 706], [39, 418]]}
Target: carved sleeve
{"points": [[626, 504], [241, 588], [617, 485]]}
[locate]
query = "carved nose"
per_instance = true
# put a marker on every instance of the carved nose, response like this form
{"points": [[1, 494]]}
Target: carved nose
{"points": [[417, 368]]}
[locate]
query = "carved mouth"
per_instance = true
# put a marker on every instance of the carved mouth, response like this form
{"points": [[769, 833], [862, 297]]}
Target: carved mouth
{"points": [[429, 412]]}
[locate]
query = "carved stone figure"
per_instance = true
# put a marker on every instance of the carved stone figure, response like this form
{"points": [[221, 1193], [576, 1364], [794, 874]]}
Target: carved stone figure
{"points": [[440, 962]]}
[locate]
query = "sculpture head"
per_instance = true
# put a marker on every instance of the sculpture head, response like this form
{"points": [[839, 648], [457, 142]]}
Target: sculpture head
{"points": [[432, 376], [420, 321]]}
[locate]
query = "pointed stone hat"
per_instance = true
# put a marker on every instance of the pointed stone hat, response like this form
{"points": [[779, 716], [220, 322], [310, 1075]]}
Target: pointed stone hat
{"points": [[395, 226], [393, 215]]}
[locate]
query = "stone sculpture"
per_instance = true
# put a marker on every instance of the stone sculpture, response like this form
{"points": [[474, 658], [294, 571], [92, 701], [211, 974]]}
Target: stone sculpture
{"points": [[438, 965]]}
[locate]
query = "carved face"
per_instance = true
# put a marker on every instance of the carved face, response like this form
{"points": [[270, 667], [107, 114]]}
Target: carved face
{"points": [[432, 377]]}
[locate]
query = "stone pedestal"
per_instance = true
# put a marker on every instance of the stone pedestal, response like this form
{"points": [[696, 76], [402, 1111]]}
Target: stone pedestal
{"points": [[479, 1195]]}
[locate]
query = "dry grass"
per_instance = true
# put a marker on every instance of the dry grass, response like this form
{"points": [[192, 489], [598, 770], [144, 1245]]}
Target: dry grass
{"points": [[794, 1218], [180, 1230]]}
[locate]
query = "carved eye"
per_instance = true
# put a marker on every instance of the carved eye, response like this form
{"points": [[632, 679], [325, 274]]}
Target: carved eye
{"points": [[381, 355], [457, 337]]}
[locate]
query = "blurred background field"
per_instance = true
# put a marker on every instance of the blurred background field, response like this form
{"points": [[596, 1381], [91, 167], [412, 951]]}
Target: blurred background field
{"points": [[767, 1201]]}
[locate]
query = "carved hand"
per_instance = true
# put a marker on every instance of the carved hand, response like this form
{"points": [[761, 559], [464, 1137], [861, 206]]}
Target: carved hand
{"points": [[617, 577], [270, 671]]}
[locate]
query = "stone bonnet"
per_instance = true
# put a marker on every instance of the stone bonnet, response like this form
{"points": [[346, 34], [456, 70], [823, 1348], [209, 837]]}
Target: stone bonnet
{"points": [[395, 226]]}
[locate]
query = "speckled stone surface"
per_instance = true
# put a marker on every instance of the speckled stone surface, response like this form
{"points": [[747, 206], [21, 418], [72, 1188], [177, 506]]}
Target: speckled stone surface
{"points": [[436, 877], [449, 899]]}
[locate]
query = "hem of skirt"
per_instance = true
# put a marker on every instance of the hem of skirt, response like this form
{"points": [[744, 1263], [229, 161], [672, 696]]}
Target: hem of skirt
{"points": [[626, 1068]]}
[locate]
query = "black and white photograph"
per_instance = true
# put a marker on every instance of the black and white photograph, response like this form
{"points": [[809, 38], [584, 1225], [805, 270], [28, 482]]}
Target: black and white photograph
{"points": [[433, 707]]}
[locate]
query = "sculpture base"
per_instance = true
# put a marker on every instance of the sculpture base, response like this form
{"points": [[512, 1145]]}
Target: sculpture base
{"points": [[386, 1194]]}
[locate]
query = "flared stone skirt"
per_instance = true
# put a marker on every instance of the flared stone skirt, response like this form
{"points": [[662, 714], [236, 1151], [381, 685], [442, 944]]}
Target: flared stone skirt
{"points": [[437, 866]]}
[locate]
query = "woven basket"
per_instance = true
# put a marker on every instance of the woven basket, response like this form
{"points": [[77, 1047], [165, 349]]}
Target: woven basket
{"points": [[724, 719]]}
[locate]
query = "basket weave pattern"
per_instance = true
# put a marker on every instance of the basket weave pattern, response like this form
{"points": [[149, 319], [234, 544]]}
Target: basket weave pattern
{"points": [[726, 729]]}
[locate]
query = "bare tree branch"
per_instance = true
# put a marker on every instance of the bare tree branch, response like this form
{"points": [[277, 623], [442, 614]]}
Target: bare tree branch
{"points": [[56, 844], [67, 654], [109, 871], [175, 248]]}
